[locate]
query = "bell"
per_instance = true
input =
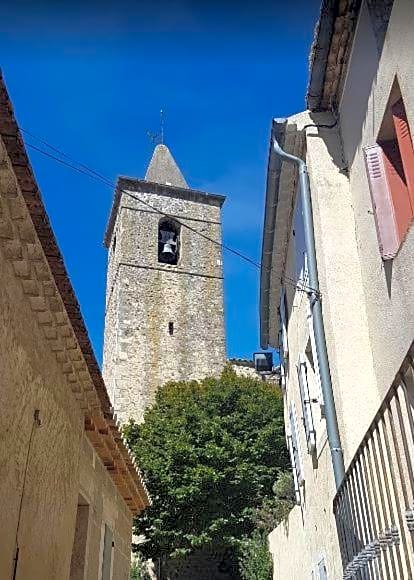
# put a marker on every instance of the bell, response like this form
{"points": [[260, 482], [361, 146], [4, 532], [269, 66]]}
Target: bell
{"points": [[167, 249]]}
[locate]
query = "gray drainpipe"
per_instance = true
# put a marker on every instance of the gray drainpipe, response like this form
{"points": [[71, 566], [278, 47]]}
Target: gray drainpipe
{"points": [[316, 309]]}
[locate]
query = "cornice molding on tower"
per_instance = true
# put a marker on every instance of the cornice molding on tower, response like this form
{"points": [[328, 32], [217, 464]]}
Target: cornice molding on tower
{"points": [[147, 187]]}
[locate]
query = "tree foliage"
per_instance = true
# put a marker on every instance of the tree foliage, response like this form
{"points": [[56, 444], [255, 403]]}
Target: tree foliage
{"points": [[138, 569], [210, 452], [255, 562]]}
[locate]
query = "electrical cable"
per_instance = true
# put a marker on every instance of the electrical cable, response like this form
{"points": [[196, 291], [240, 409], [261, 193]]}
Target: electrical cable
{"points": [[93, 174]]}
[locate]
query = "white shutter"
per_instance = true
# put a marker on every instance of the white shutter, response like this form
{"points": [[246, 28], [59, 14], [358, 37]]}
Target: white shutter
{"points": [[295, 455], [294, 470], [283, 323], [282, 375], [323, 574], [315, 355], [306, 405]]}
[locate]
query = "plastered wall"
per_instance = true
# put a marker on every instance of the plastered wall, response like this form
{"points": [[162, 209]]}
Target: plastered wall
{"points": [[367, 304], [388, 288]]}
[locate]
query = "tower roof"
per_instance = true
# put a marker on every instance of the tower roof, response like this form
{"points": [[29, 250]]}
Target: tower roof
{"points": [[163, 168]]}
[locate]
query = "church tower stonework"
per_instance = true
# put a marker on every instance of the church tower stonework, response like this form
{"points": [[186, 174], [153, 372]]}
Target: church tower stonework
{"points": [[164, 316]]}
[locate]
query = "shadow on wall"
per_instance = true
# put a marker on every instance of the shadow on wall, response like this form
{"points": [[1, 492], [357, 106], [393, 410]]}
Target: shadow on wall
{"points": [[329, 131]]}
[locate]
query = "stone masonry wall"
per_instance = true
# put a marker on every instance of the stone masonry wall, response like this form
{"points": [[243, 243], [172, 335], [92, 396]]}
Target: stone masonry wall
{"points": [[144, 296]]}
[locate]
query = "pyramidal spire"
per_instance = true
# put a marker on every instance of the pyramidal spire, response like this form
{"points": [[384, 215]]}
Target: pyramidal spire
{"points": [[164, 169]]}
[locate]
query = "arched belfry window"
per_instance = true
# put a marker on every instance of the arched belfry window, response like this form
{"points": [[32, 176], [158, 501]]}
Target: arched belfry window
{"points": [[168, 241]]}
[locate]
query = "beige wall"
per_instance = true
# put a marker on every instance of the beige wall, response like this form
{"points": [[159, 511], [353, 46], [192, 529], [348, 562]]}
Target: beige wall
{"points": [[105, 507], [309, 533], [44, 468], [310, 529], [30, 379], [388, 289]]}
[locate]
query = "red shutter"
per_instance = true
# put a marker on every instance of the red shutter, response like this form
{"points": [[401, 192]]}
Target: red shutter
{"points": [[398, 186], [381, 199], [406, 147]]}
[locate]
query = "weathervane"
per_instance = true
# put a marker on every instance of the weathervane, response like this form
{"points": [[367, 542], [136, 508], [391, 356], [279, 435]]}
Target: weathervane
{"points": [[158, 138]]}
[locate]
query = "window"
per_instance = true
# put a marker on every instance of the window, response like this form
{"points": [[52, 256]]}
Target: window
{"points": [[171, 328], [390, 168], [114, 243], [306, 400], [107, 553], [168, 241]]}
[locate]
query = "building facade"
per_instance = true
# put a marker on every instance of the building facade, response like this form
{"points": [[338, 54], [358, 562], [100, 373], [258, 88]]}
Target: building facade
{"points": [[356, 139], [69, 487], [164, 305]]}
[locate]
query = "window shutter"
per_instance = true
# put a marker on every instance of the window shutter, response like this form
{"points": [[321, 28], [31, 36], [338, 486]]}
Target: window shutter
{"points": [[323, 574], [382, 202], [283, 322], [295, 447], [315, 355], [294, 470], [282, 375], [406, 147], [306, 405]]}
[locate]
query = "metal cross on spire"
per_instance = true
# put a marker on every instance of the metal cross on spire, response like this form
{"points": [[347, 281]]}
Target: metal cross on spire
{"points": [[158, 138]]}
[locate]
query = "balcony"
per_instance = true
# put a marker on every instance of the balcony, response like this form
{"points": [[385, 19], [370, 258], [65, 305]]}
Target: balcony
{"points": [[374, 506]]}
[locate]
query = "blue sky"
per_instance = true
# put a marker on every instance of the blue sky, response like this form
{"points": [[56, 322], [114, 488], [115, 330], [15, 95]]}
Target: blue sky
{"points": [[91, 79]]}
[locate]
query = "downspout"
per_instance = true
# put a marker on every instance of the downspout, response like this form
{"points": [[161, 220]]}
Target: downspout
{"points": [[316, 310]]}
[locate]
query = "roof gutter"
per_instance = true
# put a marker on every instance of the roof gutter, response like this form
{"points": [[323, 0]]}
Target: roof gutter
{"points": [[316, 310]]}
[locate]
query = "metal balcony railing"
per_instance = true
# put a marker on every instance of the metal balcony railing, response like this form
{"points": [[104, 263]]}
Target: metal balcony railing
{"points": [[374, 506]]}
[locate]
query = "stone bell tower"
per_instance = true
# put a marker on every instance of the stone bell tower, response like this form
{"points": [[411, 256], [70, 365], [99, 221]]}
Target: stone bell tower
{"points": [[164, 299]]}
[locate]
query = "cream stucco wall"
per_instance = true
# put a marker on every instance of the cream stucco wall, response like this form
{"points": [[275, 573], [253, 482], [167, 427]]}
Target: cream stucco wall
{"points": [[310, 529], [388, 288], [368, 306]]}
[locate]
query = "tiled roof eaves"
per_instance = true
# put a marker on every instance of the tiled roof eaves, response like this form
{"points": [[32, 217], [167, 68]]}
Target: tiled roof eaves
{"points": [[16, 151], [330, 52], [13, 142]]}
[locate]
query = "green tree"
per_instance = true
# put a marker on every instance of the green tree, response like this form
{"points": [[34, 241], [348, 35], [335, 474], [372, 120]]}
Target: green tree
{"points": [[138, 569], [255, 561], [210, 452]]}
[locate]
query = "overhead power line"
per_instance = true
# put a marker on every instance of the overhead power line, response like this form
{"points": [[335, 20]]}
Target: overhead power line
{"points": [[84, 169]]}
